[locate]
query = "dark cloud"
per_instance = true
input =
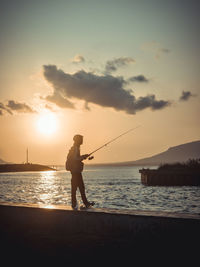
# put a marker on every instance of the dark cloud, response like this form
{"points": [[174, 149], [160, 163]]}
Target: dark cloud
{"points": [[139, 78], [15, 106], [105, 90], [150, 101], [113, 65], [59, 100], [185, 95], [4, 108], [19, 107]]}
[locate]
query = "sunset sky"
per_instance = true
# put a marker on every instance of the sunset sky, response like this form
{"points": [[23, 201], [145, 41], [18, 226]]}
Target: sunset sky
{"points": [[98, 68]]}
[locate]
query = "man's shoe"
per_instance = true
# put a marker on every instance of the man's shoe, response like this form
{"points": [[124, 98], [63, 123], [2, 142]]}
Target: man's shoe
{"points": [[75, 207], [89, 204]]}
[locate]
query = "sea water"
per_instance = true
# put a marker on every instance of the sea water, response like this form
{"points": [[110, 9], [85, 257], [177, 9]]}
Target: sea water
{"points": [[108, 187]]}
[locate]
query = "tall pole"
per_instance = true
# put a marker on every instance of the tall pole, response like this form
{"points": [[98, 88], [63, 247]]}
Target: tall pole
{"points": [[27, 156]]}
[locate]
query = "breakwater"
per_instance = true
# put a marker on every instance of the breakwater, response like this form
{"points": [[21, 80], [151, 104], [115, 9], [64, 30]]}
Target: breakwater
{"points": [[27, 167], [170, 177], [59, 233]]}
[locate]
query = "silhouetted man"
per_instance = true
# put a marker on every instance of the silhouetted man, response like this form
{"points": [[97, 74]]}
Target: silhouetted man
{"points": [[75, 165]]}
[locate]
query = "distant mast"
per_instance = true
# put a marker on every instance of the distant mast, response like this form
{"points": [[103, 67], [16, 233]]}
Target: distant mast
{"points": [[27, 156]]}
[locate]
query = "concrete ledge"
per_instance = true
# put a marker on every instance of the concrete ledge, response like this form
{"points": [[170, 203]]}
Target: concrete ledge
{"points": [[57, 232]]}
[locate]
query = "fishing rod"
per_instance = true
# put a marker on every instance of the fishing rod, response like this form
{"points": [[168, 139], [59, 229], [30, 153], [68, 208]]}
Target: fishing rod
{"points": [[130, 130]]}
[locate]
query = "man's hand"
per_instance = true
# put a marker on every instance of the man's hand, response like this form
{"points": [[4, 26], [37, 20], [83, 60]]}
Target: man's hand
{"points": [[86, 156]]}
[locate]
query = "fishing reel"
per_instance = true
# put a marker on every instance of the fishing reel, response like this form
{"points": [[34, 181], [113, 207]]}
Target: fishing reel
{"points": [[90, 158]]}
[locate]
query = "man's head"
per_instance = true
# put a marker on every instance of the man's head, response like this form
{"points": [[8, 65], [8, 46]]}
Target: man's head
{"points": [[78, 139]]}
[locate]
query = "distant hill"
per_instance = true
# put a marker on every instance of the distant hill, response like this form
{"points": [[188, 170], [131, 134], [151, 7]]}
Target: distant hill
{"points": [[180, 153]]}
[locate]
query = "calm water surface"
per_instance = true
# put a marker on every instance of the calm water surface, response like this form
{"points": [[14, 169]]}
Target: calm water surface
{"points": [[109, 187]]}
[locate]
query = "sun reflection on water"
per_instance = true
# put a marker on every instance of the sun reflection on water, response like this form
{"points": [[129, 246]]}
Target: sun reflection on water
{"points": [[52, 190], [47, 187]]}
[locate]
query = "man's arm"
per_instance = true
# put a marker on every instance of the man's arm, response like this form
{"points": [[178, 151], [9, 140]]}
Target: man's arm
{"points": [[77, 155]]}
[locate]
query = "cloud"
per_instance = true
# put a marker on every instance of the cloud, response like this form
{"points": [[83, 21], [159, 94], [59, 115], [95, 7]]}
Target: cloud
{"points": [[19, 107], [150, 101], [139, 78], [104, 90], [15, 106], [78, 59], [185, 95], [156, 48], [4, 108], [113, 65], [59, 100], [86, 106], [49, 107]]}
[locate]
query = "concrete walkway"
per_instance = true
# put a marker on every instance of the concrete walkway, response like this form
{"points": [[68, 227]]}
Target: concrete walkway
{"points": [[57, 233]]}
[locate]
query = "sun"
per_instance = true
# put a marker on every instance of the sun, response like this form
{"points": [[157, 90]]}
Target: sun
{"points": [[47, 124]]}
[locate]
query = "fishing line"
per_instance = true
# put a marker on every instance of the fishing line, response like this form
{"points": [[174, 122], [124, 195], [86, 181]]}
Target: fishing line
{"points": [[112, 140]]}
